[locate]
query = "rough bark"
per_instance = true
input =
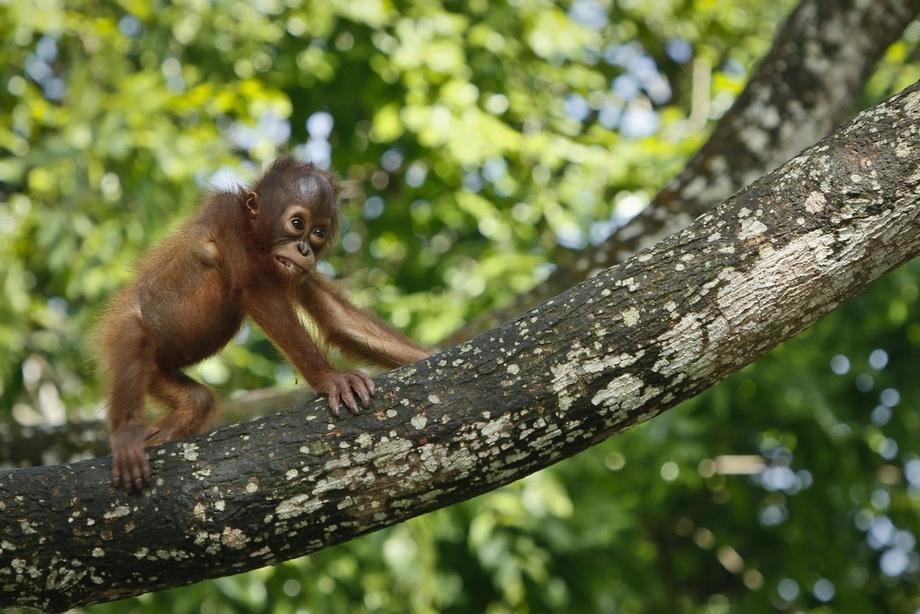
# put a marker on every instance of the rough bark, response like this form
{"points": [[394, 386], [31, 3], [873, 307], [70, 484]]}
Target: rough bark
{"points": [[612, 352], [802, 90]]}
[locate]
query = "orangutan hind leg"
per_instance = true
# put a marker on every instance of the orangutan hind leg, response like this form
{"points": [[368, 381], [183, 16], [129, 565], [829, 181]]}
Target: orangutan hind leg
{"points": [[191, 406]]}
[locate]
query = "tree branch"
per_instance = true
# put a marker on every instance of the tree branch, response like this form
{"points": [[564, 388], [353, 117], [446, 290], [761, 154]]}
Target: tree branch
{"points": [[802, 89], [610, 353]]}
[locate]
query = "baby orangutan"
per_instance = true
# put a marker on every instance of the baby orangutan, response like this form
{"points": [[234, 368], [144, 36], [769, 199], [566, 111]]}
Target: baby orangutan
{"points": [[247, 252]]}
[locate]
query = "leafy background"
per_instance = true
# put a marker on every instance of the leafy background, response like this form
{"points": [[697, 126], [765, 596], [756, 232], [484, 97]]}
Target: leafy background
{"points": [[481, 142]]}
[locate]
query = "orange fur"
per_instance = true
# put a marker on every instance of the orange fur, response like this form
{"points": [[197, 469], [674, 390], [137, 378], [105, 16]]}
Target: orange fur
{"points": [[250, 252]]}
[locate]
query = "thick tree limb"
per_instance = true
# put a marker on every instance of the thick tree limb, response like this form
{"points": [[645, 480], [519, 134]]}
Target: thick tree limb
{"points": [[610, 353], [802, 90]]}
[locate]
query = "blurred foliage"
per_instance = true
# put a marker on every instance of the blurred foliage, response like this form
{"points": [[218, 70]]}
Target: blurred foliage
{"points": [[481, 142]]}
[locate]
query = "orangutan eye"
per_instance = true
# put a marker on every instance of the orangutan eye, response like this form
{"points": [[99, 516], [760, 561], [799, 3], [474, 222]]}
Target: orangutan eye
{"points": [[320, 233], [297, 224]]}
